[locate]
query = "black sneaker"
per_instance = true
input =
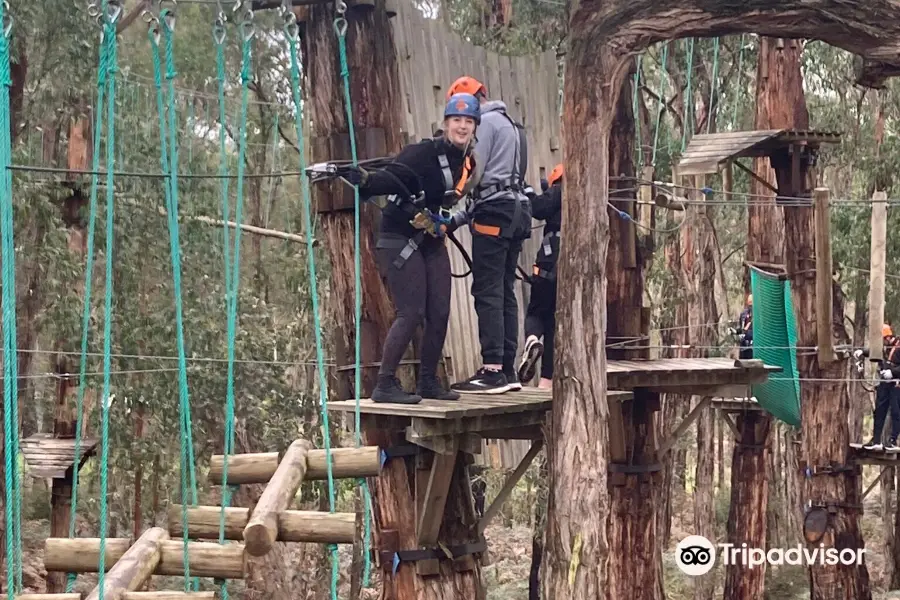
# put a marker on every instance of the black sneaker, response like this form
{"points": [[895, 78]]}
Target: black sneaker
{"points": [[873, 444], [534, 349], [891, 446], [388, 390], [484, 381], [430, 387]]}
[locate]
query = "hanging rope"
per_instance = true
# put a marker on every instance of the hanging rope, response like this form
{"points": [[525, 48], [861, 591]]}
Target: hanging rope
{"points": [[111, 11], [713, 83], [688, 96], [734, 117], [13, 506], [661, 105], [169, 165], [230, 288], [340, 28], [635, 109]]}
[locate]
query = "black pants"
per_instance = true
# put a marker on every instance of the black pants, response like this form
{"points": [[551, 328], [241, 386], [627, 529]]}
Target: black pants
{"points": [[494, 261], [540, 320], [421, 292], [887, 395]]}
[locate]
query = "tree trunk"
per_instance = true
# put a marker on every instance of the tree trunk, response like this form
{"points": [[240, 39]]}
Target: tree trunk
{"points": [[576, 551], [374, 76], [895, 549], [887, 521], [540, 528], [633, 546]]}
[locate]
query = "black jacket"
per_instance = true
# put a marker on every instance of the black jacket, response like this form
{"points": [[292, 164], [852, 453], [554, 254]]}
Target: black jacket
{"points": [[891, 357], [417, 167], [548, 208]]}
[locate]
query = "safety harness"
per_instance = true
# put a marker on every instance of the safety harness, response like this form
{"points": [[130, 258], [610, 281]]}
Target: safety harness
{"points": [[547, 249], [413, 206], [513, 183]]}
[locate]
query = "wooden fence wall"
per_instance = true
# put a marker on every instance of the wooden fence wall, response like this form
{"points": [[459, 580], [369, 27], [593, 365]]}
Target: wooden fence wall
{"points": [[430, 58]]}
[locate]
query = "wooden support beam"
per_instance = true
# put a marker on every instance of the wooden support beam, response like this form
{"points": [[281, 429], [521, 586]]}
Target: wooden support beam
{"points": [[261, 531], [684, 425], [824, 308], [731, 425], [877, 268], [346, 463], [206, 559], [755, 176], [134, 568], [508, 486], [873, 484], [169, 595], [293, 525], [49, 597], [433, 498]]}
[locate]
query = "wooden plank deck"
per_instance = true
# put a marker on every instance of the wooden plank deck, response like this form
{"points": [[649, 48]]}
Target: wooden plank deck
{"points": [[49, 457], [685, 375], [736, 405]]}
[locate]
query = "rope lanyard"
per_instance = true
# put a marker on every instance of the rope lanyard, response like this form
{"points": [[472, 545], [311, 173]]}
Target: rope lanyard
{"points": [[13, 506], [169, 165], [340, 28]]}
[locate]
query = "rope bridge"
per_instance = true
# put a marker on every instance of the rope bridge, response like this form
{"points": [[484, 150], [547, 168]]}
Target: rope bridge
{"points": [[124, 564]]}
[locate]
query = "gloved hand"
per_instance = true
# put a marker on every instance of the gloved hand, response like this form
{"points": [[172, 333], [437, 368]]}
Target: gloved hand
{"points": [[356, 176], [857, 353], [887, 374], [440, 224]]}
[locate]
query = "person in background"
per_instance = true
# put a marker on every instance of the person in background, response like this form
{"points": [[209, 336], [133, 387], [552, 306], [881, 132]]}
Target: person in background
{"points": [[887, 394], [540, 317], [499, 218], [745, 329], [424, 181]]}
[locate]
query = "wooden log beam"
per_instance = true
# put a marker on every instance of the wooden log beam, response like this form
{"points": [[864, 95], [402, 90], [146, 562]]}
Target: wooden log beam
{"points": [[48, 597], [169, 595], [824, 280], [206, 559], [508, 486], [293, 525], [261, 531], [877, 268], [134, 568], [346, 463], [684, 425]]}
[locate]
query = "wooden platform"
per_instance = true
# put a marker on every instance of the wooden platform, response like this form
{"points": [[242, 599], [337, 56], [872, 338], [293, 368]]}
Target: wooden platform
{"points": [[51, 458], [736, 405], [716, 377], [875, 456]]}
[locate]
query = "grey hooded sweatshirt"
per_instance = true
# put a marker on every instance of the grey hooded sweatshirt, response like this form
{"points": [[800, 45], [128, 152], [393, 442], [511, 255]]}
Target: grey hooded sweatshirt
{"points": [[497, 156]]}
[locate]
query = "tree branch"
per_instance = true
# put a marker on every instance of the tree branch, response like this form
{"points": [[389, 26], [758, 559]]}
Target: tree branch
{"points": [[132, 16]]}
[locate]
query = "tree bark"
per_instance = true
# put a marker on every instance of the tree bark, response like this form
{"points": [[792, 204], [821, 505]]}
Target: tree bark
{"points": [[634, 549], [540, 528]]}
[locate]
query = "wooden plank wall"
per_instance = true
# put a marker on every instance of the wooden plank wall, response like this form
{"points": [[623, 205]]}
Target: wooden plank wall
{"points": [[430, 58]]}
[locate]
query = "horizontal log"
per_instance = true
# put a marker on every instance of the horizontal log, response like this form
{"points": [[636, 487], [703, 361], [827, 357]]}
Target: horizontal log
{"points": [[261, 531], [169, 595], [259, 468], [293, 525], [48, 597], [206, 559], [133, 568]]}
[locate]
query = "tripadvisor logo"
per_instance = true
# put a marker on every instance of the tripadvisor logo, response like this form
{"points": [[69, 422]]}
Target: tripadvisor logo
{"points": [[696, 555]]}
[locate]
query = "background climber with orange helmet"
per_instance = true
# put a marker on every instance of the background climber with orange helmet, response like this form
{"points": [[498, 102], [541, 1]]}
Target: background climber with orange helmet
{"points": [[540, 317], [499, 217], [887, 392], [423, 182]]}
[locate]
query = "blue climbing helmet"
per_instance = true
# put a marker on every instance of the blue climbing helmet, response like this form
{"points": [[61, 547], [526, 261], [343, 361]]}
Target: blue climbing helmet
{"points": [[463, 105]]}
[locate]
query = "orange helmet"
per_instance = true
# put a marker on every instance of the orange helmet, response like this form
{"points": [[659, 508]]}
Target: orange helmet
{"points": [[886, 330], [556, 174], [466, 85]]}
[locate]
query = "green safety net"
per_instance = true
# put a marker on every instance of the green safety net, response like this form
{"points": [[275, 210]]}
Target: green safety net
{"points": [[775, 343]]}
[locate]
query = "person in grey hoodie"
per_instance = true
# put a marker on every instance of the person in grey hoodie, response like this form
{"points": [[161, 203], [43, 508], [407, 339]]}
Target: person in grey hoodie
{"points": [[499, 217]]}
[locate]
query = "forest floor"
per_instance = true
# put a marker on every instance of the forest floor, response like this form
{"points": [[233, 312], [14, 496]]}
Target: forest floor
{"points": [[507, 575]]}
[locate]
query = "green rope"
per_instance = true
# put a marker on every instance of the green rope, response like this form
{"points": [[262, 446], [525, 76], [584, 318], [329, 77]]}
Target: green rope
{"points": [[660, 106], [340, 28], [88, 286], [636, 113], [169, 164], [109, 35], [712, 86], [734, 118], [688, 97], [13, 507], [219, 38]]}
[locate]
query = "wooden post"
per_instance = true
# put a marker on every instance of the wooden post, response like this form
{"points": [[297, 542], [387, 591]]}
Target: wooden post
{"points": [[824, 309], [877, 268], [293, 525], [261, 531], [260, 467], [134, 568]]}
